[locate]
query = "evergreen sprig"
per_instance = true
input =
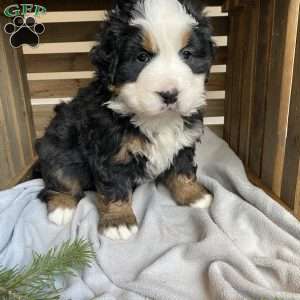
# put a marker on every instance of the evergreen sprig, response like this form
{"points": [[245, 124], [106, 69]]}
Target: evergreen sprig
{"points": [[37, 281]]}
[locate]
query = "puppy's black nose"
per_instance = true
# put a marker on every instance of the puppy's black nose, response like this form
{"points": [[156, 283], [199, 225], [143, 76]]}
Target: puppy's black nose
{"points": [[169, 97]]}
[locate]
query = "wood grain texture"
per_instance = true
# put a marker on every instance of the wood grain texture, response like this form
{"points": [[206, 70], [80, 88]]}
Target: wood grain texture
{"points": [[217, 129], [66, 62], [69, 88], [297, 198], [70, 32], [6, 165], [257, 181], [238, 57], [86, 31], [251, 20], [56, 88], [279, 91], [261, 85], [70, 5], [287, 78], [290, 182], [17, 128], [44, 113]]}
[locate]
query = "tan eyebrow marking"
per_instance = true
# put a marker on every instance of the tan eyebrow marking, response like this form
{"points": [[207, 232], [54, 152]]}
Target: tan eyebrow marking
{"points": [[149, 43], [186, 36]]}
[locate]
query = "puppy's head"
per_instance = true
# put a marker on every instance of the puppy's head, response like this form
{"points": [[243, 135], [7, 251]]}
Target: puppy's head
{"points": [[155, 55]]}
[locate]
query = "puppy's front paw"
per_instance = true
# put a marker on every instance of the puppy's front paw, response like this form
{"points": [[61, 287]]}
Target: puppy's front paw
{"points": [[122, 232], [203, 202], [61, 215]]}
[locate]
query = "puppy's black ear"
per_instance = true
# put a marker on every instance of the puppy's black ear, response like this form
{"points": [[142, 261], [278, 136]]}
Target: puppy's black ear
{"points": [[105, 54], [125, 5]]}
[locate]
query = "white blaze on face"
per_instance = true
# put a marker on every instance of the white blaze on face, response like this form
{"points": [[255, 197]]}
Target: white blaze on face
{"points": [[168, 25]]}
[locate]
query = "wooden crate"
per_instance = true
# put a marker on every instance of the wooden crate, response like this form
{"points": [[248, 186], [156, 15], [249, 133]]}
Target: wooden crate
{"points": [[253, 91], [262, 111]]}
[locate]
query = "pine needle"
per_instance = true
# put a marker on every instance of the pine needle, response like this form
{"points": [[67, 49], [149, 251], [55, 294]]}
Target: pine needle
{"points": [[37, 281]]}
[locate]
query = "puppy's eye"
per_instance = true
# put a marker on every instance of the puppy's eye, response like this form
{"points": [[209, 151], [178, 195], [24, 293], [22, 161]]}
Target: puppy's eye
{"points": [[143, 57], [186, 54]]}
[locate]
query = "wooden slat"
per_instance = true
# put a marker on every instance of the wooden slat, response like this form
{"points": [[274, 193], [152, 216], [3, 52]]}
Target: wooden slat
{"points": [[100, 15], [221, 56], [261, 86], [52, 48], [51, 5], [292, 153], [15, 112], [220, 25], [69, 88], [238, 57], [66, 62], [60, 75], [91, 74], [279, 90], [7, 98], [214, 108], [256, 181], [24, 175], [229, 78], [44, 113], [19, 105], [70, 32], [217, 129], [297, 198], [86, 31], [216, 82], [249, 71], [68, 5], [82, 47], [6, 165], [71, 16], [56, 88]]}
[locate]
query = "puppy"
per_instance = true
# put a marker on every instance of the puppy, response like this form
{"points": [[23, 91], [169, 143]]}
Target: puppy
{"points": [[137, 121]]}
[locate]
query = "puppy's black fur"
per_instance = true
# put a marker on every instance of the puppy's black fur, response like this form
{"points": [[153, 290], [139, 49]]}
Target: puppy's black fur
{"points": [[83, 138]]}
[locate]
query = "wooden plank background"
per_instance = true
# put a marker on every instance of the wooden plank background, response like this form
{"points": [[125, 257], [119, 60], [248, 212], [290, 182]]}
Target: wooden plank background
{"points": [[262, 107], [16, 125]]}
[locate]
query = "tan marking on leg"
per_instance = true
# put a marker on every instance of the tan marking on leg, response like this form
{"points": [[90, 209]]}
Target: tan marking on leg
{"points": [[149, 43], [131, 145], [61, 200], [61, 208], [113, 214], [185, 190]]}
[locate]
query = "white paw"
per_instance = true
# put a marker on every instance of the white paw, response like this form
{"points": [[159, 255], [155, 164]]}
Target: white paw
{"points": [[121, 232], [61, 216], [204, 202]]}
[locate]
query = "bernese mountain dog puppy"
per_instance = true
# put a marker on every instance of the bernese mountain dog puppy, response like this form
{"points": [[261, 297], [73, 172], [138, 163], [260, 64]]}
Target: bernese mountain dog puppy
{"points": [[138, 120]]}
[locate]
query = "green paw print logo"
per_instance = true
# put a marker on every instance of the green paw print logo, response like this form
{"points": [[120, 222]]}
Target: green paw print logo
{"points": [[22, 29]]}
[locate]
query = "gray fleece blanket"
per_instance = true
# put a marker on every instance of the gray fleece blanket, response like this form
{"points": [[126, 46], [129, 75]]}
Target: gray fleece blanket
{"points": [[245, 246]]}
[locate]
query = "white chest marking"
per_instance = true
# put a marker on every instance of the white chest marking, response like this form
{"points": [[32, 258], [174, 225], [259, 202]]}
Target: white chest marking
{"points": [[167, 137]]}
